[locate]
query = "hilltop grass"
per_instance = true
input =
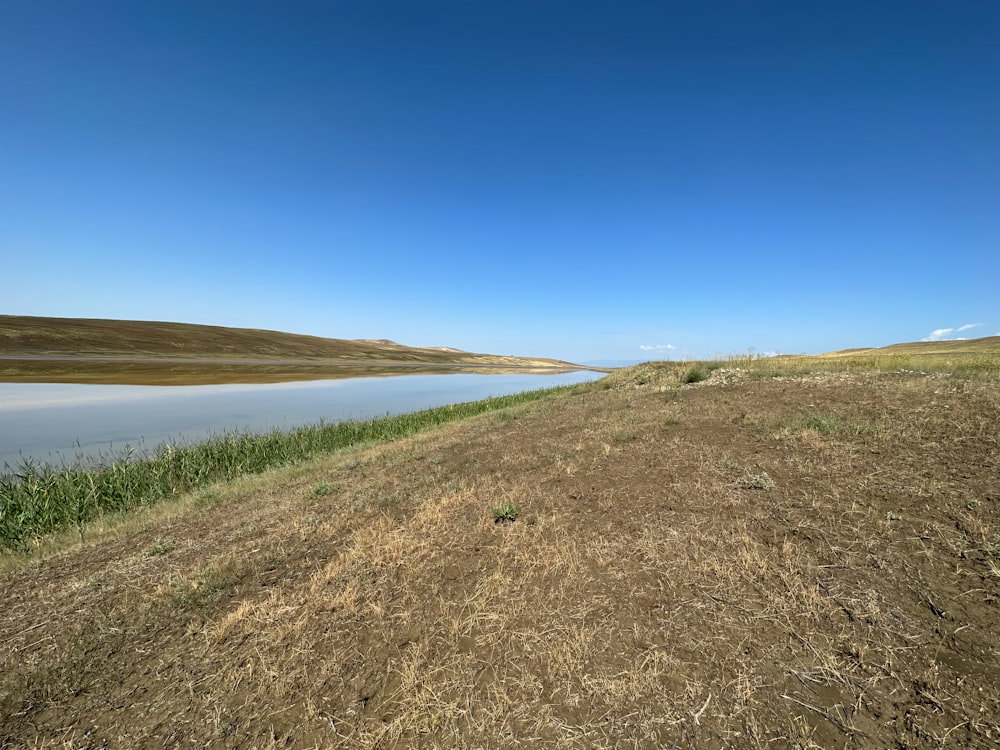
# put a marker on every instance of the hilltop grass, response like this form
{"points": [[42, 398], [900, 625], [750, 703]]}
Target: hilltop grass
{"points": [[970, 358], [962, 364], [39, 499]]}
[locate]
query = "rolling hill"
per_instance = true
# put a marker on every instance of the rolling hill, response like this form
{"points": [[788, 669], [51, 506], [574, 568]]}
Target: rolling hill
{"points": [[42, 337]]}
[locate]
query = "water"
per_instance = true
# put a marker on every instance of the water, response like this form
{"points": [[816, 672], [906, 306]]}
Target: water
{"points": [[61, 423]]}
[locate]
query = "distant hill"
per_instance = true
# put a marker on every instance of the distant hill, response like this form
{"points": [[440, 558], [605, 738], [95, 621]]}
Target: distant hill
{"points": [[41, 337], [985, 345]]}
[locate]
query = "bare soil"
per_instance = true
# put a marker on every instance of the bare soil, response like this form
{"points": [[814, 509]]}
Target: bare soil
{"points": [[807, 561]]}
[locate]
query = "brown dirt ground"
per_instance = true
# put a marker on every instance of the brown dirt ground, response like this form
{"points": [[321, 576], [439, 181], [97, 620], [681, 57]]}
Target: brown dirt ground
{"points": [[809, 561]]}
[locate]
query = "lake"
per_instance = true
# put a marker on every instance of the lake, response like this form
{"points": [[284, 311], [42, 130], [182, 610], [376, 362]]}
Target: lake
{"points": [[58, 423]]}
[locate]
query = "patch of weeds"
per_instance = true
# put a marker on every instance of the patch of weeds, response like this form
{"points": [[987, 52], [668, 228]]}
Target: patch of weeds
{"points": [[990, 546], [624, 437], [505, 512], [761, 481], [829, 424], [206, 590], [323, 489], [826, 423], [161, 545], [972, 504], [695, 374]]}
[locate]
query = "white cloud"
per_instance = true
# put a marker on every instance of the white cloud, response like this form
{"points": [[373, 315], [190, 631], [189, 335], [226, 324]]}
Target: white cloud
{"points": [[938, 334], [657, 347], [941, 334]]}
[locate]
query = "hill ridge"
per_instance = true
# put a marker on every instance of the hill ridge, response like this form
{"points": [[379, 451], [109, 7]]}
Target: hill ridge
{"points": [[34, 336]]}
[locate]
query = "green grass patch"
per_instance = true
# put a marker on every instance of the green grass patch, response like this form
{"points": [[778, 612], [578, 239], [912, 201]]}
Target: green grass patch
{"points": [[38, 499], [831, 424], [324, 488], [161, 545]]}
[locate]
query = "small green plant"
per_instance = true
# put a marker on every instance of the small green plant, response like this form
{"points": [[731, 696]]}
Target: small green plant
{"points": [[161, 545], [506, 512], [324, 488], [757, 481]]}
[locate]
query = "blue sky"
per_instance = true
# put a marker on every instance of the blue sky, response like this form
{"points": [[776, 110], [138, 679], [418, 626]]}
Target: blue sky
{"points": [[584, 180]]}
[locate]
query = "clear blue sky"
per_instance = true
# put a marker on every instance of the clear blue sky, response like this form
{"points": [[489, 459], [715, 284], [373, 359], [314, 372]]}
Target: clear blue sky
{"points": [[577, 179]]}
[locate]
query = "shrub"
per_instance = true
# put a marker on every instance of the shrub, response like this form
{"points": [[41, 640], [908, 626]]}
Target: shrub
{"points": [[695, 374], [506, 512]]}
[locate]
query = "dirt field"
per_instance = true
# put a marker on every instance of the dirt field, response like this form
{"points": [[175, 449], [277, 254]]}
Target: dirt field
{"points": [[807, 561]]}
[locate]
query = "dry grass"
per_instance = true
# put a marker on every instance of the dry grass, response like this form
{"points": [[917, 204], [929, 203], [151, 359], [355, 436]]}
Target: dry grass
{"points": [[654, 591]]}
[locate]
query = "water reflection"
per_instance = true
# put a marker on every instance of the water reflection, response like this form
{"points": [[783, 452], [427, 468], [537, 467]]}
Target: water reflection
{"points": [[60, 423]]}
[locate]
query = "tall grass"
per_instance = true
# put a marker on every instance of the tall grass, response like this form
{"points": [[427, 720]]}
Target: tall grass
{"points": [[37, 498]]}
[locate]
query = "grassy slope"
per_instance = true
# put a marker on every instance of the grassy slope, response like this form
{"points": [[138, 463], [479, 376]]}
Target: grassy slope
{"points": [[986, 345], [972, 357], [809, 560], [36, 336]]}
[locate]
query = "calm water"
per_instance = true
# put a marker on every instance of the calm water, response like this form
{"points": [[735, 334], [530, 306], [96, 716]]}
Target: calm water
{"points": [[57, 423]]}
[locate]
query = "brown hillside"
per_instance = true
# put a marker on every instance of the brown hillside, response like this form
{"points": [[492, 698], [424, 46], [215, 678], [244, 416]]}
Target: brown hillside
{"points": [[151, 353]]}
